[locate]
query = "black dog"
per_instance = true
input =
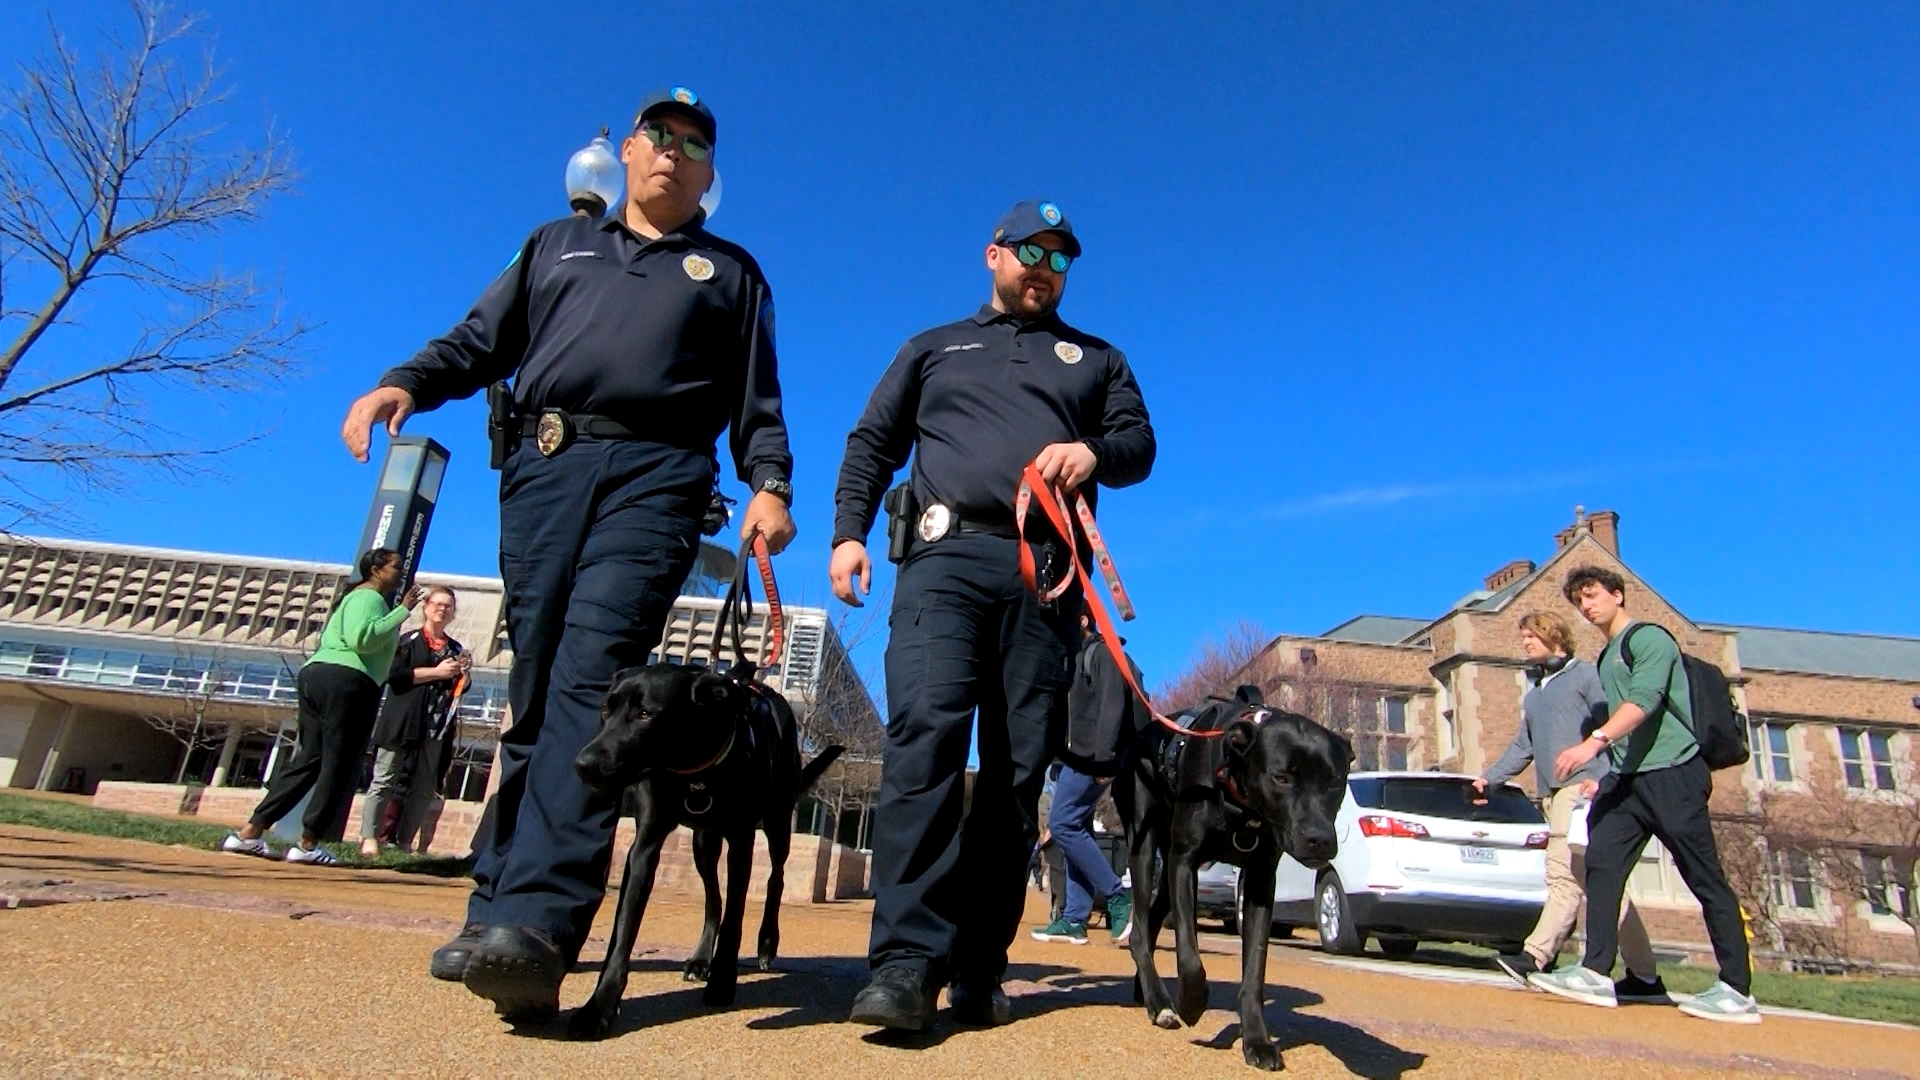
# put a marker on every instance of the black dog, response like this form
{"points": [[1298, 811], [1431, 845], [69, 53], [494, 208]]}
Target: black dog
{"points": [[1270, 784], [715, 752]]}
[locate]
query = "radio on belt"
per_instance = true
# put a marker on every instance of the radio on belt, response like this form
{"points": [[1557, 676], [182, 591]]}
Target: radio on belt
{"points": [[403, 502]]}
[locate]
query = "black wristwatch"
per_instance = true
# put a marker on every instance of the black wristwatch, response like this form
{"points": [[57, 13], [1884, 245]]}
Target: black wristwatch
{"points": [[778, 488]]}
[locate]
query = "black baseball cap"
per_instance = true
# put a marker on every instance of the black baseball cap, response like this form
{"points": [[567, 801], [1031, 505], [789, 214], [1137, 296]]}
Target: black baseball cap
{"points": [[1035, 216], [680, 101]]}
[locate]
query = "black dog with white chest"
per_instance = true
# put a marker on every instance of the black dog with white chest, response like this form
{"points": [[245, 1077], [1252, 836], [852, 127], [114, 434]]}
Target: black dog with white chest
{"points": [[1270, 783], [718, 753]]}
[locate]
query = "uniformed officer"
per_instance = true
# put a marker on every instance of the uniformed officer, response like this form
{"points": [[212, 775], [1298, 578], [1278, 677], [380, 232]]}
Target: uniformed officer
{"points": [[973, 402], [632, 343]]}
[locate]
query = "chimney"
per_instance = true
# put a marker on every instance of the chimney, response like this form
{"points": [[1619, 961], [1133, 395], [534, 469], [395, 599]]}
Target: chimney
{"points": [[1509, 574], [1605, 526]]}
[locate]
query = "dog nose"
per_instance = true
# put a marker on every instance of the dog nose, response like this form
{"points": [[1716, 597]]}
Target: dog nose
{"points": [[594, 766], [1318, 845]]}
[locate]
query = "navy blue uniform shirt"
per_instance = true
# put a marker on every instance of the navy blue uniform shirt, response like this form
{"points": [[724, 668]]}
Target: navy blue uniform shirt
{"points": [[982, 397], [672, 338]]}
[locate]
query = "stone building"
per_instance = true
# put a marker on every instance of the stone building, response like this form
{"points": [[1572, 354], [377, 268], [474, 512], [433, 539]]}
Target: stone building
{"points": [[1819, 831]]}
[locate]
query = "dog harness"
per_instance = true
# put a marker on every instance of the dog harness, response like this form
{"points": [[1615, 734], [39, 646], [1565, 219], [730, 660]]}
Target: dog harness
{"points": [[1246, 827]]}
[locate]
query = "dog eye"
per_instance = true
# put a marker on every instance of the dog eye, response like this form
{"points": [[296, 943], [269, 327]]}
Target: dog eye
{"points": [[1282, 779]]}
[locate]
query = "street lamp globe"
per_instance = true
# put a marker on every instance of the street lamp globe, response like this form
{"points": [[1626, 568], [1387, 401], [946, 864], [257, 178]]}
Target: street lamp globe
{"points": [[594, 182]]}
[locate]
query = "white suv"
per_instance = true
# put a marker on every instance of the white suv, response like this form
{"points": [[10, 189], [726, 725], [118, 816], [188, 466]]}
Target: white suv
{"points": [[1420, 860]]}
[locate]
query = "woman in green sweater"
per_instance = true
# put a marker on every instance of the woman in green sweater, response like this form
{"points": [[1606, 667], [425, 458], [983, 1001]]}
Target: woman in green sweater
{"points": [[339, 697]]}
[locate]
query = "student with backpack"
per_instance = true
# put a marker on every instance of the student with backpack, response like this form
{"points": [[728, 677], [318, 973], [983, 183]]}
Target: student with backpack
{"points": [[1661, 780]]}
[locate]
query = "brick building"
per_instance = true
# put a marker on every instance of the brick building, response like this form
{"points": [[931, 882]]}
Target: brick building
{"points": [[1819, 832]]}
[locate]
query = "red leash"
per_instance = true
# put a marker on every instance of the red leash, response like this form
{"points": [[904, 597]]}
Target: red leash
{"points": [[777, 623], [1053, 502]]}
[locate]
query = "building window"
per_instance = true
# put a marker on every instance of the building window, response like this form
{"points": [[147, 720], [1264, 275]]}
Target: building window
{"points": [[1772, 751], [1790, 875], [1867, 757], [1886, 892]]}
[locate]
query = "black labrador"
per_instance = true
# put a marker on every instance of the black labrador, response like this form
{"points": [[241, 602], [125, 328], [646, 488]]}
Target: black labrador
{"points": [[1270, 783], [715, 752]]}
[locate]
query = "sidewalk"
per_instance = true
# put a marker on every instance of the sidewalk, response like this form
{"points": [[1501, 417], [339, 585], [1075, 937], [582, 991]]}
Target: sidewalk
{"points": [[224, 965]]}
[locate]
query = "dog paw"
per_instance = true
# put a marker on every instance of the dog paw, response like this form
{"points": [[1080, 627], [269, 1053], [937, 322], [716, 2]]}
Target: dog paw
{"points": [[1192, 1005], [1262, 1054], [1166, 1019], [698, 969], [589, 1024], [766, 962], [719, 992]]}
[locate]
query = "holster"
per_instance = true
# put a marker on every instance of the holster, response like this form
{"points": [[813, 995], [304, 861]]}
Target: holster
{"points": [[502, 433], [901, 515]]}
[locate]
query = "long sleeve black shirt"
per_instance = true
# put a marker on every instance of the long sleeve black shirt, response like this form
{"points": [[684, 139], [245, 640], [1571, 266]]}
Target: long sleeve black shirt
{"points": [[973, 401], [672, 338]]}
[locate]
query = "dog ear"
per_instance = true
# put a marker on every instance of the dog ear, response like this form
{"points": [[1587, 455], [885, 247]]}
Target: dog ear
{"points": [[1249, 695], [1239, 737], [712, 690]]}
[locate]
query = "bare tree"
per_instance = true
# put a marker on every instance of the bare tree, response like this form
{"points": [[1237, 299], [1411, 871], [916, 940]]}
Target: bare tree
{"points": [[1216, 661], [112, 170], [189, 689], [1860, 848]]}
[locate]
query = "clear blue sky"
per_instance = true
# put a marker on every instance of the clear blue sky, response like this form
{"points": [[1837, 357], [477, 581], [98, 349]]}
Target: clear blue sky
{"points": [[1402, 284]]}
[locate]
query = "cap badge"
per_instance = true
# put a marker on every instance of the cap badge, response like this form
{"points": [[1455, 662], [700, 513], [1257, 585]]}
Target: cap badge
{"points": [[697, 268], [684, 96], [1050, 213], [934, 522], [1068, 352]]}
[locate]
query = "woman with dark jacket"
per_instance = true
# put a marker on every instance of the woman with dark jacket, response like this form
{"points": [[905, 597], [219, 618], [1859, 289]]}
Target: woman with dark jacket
{"points": [[415, 727], [338, 697]]}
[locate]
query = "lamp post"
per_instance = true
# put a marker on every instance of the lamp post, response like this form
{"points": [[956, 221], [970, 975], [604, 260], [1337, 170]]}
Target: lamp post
{"points": [[404, 500], [593, 178]]}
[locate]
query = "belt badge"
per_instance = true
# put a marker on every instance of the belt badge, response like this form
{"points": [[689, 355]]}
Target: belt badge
{"points": [[1068, 352], [552, 433], [935, 520], [697, 268]]}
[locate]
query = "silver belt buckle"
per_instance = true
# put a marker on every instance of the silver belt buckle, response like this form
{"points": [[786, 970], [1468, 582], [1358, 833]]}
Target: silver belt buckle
{"points": [[935, 521]]}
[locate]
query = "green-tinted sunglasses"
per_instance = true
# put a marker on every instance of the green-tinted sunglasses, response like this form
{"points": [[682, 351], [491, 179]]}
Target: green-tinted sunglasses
{"points": [[661, 136], [1031, 254]]}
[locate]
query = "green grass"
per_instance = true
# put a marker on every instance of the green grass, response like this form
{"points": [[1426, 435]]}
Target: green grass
{"points": [[1893, 998], [62, 816]]}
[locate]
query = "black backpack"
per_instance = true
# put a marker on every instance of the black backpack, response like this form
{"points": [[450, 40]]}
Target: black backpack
{"points": [[1718, 724]]}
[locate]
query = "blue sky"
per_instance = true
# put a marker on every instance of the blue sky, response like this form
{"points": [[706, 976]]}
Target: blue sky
{"points": [[1402, 285]]}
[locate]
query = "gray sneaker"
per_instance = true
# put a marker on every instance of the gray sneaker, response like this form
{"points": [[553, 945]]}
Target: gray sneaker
{"points": [[1723, 1003], [1576, 983]]}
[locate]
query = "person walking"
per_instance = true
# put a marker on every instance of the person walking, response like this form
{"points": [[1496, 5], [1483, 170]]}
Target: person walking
{"points": [[973, 403], [1659, 787], [1564, 698], [632, 342], [338, 695], [415, 727]]}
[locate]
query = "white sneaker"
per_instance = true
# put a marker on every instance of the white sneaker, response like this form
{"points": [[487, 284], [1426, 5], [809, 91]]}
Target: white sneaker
{"points": [[1575, 983], [318, 856], [1723, 1003], [234, 844]]}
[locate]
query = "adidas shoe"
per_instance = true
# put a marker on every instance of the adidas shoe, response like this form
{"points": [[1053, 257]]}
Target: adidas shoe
{"points": [[314, 856], [235, 844], [1061, 930]]}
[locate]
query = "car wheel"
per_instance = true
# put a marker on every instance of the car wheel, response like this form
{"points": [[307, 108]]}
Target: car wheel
{"points": [[1399, 948], [1338, 935]]}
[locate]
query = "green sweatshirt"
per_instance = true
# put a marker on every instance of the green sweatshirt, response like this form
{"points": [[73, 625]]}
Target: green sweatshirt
{"points": [[1658, 684], [362, 634]]}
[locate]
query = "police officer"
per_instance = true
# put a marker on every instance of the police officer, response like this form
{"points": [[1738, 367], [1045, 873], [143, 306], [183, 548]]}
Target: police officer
{"points": [[632, 343], [973, 402]]}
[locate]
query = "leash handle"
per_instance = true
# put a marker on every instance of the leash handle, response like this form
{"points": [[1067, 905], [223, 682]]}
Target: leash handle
{"points": [[1054, 506], [738, 603]]}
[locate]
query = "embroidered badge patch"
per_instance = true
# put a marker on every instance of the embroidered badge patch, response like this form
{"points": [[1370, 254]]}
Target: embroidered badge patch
{"points": [[697, 268], [1050, 213], [1068, 352], [685, 96]]}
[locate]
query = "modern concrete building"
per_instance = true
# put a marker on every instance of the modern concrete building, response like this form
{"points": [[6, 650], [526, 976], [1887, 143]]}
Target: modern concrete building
{"points": [[1821, 829]]}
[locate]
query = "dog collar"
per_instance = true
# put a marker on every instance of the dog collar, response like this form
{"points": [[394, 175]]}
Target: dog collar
{"points": [[726, 749]]}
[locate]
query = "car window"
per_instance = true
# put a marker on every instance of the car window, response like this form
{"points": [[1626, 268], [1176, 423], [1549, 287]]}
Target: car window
{"points": [[1454, 798]]}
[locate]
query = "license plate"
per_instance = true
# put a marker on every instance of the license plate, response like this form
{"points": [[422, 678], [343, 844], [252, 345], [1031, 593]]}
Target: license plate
{"points": [[1485, 856]]}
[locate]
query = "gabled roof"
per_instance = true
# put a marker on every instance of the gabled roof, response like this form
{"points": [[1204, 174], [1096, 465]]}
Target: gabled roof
{"points": [[1865, 656], [1376, 629]]}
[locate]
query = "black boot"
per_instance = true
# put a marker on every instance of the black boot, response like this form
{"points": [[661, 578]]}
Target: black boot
{"points": [[979, 1004], [518, 969], [449, 961], [897, 998]]}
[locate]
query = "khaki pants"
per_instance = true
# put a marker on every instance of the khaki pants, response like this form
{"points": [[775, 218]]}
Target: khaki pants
{"points": [[1566, 869]]}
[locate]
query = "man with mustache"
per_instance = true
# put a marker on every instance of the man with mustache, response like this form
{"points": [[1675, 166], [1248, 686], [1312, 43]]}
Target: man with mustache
{"points": [[973, 402], [632, 341]]}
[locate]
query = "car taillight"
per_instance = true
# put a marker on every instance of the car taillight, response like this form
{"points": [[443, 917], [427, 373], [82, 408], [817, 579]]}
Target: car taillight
{"points": [[1382, 825], [1537, 840]]}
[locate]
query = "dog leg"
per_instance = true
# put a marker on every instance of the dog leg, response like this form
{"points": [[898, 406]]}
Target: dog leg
{"points": [[593, 1019], [779, 840], [1256, 923], [706, 859], [725, 974], [1148, 989], [1192, 1001]]}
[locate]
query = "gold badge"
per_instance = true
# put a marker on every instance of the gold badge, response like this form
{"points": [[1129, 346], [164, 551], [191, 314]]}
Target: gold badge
{"points": [[697, 268], [552, 433], [1068, 352]]}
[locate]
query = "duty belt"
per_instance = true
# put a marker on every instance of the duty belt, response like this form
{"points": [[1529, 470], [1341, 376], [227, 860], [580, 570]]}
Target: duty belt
{"points": [[552, 430], [938, 521]]}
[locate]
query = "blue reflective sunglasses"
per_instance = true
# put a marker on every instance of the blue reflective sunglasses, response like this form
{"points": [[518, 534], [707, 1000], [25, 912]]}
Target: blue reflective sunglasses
{"points": [[1031, 255]]}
